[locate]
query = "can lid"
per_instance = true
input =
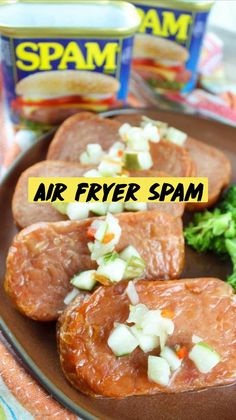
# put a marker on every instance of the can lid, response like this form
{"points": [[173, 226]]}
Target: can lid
{"points": [[192, 5], [197, 4], [95, 17]]}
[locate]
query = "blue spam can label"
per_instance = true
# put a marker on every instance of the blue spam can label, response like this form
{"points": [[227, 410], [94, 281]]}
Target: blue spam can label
{"points": [[168, 45], [48, 79]]}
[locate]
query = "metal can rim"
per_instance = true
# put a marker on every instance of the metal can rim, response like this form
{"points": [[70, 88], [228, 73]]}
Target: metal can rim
{"points": [[192, 5], [60, 30]]}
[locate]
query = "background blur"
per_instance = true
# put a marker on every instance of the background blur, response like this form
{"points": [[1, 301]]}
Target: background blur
{"points": [[222, 21]]}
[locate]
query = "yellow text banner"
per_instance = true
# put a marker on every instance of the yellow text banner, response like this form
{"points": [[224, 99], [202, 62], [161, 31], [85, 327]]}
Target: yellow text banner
{"points": [[124, 189]]}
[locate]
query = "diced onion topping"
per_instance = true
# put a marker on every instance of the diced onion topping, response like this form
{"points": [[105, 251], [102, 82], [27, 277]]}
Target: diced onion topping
{"points": [[172, 359], [80, 211], [136, 314], [176, 136], [137, 160], [108, 258], [135, 268], [113, 227], [137, 144], [104, 235], [138, 137], [132, 293], [113, 269], [151, 132], [92, 155], [151, 322], [98, 250], [71, 296], [129, 252], [124, 130], [110, 167], [150, 330], [137, 154], [204, 357], [77, 211], [85, 280], [100, 228], [148, 327], [121, 340], [116, 150], [169, 133], [158, 370], [107, 231], [146, 343], [154, 324]]}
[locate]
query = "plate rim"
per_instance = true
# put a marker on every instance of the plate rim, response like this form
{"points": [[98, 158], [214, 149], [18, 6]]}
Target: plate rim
{"points": [[28, 363]]}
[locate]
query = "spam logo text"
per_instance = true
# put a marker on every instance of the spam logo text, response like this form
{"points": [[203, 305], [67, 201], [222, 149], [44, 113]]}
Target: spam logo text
{"points": [[165, 23], [44, 55]]}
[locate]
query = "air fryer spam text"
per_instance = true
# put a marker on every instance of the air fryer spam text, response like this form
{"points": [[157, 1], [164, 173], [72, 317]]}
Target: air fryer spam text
{"points": [[29, 213], [109, 273]]}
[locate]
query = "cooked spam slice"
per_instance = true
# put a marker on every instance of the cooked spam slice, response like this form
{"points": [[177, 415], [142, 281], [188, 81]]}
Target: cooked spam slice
{"points": [[212, 163], [26, 213], [44, 257], [82, 129], [198, 350]]}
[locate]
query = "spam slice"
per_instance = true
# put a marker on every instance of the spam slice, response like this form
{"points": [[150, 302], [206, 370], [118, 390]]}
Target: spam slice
{"points": [[45, 256], [213, 164], [209, 162], [25, 213], [79, 130], [201, 307]]}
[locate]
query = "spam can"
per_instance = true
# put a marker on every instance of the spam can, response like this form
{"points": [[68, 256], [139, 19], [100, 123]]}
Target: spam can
{"points": [[168, 45], [62, 57]]}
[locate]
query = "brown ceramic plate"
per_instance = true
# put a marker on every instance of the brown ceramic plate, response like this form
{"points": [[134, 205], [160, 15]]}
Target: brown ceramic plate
{"points": [[36, 344]]}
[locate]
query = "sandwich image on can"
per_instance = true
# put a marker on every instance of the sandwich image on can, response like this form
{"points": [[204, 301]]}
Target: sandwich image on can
{"points": [[161, 62], [168, 44], [48, 97]]}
